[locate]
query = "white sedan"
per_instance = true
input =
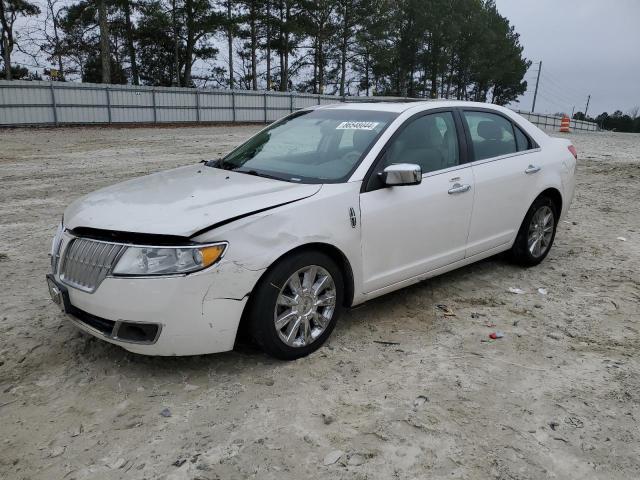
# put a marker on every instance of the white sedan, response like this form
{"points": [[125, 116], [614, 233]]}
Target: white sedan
{"points": [[324, 209]]}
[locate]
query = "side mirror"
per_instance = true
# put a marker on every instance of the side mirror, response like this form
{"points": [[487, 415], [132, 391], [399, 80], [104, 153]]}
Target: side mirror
{"points": [[401, 174]]}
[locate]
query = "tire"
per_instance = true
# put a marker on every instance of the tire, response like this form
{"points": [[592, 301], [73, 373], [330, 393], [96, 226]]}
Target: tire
{"points": [[276, 300], [523, 251]]}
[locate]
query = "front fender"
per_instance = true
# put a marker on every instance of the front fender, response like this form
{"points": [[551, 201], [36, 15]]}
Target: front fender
{"points": [[256, 242]]}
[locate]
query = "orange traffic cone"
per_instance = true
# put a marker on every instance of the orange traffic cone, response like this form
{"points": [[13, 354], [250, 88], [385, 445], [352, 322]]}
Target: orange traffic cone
{"points": [[564, 124]]}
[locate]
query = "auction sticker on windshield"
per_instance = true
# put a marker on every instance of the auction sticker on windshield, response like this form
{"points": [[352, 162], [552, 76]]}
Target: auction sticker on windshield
{"points": [[357, 126]]}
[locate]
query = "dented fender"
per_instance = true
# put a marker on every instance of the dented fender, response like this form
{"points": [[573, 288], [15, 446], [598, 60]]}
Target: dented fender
{"points": [[257, 241]]}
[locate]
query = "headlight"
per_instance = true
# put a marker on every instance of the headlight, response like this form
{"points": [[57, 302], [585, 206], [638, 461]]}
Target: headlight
{"points": [[55, 244], [55, 247], [168, 260]]}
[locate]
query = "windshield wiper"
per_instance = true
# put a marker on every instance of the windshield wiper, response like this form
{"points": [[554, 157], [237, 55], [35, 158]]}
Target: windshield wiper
{"points": [[257, 174], [216, 163]]}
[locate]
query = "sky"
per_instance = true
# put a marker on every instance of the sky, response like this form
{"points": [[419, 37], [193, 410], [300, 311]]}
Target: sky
{"points": [[586, 47]]}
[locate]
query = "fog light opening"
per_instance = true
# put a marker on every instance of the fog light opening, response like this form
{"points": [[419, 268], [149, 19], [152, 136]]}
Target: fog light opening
{"points": [[137, 332]]}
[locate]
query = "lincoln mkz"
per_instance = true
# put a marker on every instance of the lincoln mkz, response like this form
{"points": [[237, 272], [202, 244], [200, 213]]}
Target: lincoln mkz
{"points": [[323, 210]]}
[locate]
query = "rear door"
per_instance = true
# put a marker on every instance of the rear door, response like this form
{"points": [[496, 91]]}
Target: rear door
{"points": [[506, 165], [410, 230]]}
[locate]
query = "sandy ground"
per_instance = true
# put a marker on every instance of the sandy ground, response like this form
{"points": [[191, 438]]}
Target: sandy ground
{"points": [[557, 397]]}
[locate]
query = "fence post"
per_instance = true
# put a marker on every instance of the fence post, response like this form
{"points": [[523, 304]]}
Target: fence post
{"points": [[155, 112], [106, 89], [265, 107], [233, 105], [290, 102], [53, 104], [318, 99], [197, 106]]}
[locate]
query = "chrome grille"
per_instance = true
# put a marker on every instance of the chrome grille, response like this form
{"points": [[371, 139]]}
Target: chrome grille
{"points": [[86, 263]]}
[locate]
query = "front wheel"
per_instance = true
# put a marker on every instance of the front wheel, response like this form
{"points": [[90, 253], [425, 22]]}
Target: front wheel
{"points": [[296, 305], [536, 233]]}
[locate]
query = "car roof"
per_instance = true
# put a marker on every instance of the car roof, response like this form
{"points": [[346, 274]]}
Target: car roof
{"points": [[401, 106]]}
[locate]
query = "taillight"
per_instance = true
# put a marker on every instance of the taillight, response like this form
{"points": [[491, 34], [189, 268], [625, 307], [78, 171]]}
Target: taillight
{"points": [[573, 151]]}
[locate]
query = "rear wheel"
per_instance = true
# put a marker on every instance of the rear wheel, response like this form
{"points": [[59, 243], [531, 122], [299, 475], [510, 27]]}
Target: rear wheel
{"points": [[536, 233], [296, 305]]}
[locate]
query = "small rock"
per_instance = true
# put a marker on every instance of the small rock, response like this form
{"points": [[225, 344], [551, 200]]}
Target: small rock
{"points": [[543, 291], [420, 400], [333, 457], [446, 310], [179, 462], [119, 463], [327, 418], [554, 335], [165, 412], [77, 431], [265, 381], [56, 452], [554, 425]]}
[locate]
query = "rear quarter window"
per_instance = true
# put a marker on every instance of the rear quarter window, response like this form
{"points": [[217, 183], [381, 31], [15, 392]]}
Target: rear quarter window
{"points": [[522, 140]]}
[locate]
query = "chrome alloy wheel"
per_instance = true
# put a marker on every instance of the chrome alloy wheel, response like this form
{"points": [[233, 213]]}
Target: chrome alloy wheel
{"points": [[305, 306], [540, 231]]}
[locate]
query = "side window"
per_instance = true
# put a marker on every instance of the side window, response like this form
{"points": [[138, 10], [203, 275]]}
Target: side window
{"points": [[491, 135], [430, 141], [521, 139]]}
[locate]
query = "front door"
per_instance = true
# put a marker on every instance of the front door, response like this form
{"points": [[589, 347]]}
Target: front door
{"points": [[410, 230]]}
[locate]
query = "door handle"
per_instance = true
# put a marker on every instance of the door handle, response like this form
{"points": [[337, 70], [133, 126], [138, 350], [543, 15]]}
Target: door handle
{"points": [[458, 188], [532, 169]]}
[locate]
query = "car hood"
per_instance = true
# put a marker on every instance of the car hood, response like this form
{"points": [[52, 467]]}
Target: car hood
{"points": [[181, 201]]}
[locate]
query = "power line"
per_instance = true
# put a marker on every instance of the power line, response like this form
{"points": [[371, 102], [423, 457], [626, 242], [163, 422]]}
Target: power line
{"points": [[558, 105], [555, 80], [551, 90], [560, 91], [573, 96], [559, 97]]}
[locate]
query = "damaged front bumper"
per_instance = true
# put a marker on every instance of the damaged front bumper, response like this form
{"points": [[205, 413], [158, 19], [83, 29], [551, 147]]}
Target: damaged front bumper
{"points": [[180, 315]]}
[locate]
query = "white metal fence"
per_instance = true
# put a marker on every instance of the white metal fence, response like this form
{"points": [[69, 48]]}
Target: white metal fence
{"points": [[56, 103], [25, 103], [553, 123]]}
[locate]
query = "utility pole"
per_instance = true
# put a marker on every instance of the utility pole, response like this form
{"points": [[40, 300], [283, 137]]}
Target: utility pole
{"points": [[176, 45], [268, 42], [105, 54], [230, 40], [573, 110], [535, 95], [586, 109]]}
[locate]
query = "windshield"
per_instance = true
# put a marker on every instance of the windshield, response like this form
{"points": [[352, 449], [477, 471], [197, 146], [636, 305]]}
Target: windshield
{"points": [[317, 146]]}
